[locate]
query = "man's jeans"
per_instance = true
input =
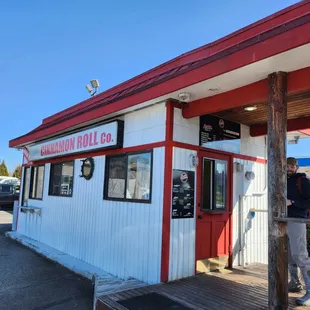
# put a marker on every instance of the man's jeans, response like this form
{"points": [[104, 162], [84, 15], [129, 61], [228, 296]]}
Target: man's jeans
{"points": [[297, 252]]}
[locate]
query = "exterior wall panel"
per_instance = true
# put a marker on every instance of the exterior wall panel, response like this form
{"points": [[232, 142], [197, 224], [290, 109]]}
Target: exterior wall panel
{"points": [[145, 126], [182, 236], [185, 130], [122, 238], [250, 234]]}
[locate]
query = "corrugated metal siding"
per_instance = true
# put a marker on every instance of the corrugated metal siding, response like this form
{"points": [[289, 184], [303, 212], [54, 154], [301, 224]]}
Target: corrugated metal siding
{"points": [[121, 238], [182, 235], [250, 244]]}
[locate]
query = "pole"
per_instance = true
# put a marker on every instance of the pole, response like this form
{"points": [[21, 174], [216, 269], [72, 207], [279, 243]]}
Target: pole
{"points": [[277, 189]]}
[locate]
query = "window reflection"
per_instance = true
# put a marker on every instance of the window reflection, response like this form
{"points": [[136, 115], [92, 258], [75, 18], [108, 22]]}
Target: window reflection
{"points": [[61, 182], [139, 176], [129, 177], [214, 184], [117, 177]]}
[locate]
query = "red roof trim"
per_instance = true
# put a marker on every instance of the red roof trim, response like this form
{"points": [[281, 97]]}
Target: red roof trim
{"points": [[262, 25], [301, 124], [150, 91]]}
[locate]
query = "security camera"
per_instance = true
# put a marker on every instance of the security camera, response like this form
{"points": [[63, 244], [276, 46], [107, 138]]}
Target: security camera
{"points": [[184, 97]]}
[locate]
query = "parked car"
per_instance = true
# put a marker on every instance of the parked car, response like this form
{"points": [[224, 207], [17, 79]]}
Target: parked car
{"points": [[9, 180], [9, 191]]}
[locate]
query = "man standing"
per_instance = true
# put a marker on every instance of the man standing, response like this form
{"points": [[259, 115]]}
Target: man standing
{"points": [[298, 205]]}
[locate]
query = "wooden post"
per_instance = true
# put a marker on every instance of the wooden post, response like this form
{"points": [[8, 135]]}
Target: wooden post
{"points": [[277, 189]]}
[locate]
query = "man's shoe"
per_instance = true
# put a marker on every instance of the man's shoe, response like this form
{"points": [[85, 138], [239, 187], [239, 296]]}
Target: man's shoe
{"points": [[304, 301], [294, 287]]}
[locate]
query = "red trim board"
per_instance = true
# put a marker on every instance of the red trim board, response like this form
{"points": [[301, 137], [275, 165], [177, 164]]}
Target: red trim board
{"points": [[165, 256], [142, 148], [257, 92], [299, 124]]}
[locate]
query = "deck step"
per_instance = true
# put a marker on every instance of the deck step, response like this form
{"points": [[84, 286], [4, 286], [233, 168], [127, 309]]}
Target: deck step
{"points": [[111, 285], [114, 285]]}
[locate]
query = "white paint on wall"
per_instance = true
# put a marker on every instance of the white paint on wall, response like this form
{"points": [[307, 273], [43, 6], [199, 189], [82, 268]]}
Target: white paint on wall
{"points": [[185, 130], [145, 126], [250, 235], [252, 146], [182, 232], [121, 238]]}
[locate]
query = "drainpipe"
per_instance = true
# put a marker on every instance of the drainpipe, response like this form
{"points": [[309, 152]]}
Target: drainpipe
{"points": [[241, 261]]}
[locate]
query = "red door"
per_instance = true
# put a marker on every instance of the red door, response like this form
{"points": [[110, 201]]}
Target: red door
{"points": [[213, 233]]}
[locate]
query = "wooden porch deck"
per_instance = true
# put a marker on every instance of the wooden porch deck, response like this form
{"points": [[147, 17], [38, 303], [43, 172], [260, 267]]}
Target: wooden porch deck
{"points": [[229, 289]]}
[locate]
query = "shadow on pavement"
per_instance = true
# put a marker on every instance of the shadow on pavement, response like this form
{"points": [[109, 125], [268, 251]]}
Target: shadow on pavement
{"points": [[6, 218], [30, 282]]}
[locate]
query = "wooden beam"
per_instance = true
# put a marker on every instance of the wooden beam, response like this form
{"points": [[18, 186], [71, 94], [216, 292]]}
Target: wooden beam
{"points": [[297, 81], [277, 238], [297, 124]]}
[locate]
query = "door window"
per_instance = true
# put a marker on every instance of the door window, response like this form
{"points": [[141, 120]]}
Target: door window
{"points": [[214, 185]]}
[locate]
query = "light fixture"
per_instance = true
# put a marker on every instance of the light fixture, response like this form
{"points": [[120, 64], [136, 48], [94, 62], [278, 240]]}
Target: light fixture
{"points": [[294, 140], [94, 83], [250, 175], [87, 168], [184, 97], [250, 108], [93, 88]]}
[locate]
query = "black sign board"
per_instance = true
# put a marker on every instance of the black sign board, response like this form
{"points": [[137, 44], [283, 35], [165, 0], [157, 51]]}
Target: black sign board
{"points": [[213, 128], [183, 193]]}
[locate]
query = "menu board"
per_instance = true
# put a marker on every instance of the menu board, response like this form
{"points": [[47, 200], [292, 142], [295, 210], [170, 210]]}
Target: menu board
{"points": [[213, 128], [183, 193]]}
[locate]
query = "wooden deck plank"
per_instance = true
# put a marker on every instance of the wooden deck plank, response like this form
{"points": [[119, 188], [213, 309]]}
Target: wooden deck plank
{"points": [[237, 289]]}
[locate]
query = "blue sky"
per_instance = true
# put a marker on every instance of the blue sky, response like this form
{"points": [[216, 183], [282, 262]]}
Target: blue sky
{"points": [[51, 49]]}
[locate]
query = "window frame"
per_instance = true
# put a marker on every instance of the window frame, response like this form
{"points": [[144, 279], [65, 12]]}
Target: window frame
{"points": [[50, 178], [31, 182], [24, 178], [106, 177], [213, 209]]}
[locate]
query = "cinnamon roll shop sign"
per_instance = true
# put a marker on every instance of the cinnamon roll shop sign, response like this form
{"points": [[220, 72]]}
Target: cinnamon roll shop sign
{"points": [[105, 136]]}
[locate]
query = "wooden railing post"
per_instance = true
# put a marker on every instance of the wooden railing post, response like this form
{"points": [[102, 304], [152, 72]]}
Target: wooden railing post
{"points": [[277, 189]]}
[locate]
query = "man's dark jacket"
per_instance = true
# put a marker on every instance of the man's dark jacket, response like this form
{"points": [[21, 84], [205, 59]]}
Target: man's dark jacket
{"points": [[299, 193]]}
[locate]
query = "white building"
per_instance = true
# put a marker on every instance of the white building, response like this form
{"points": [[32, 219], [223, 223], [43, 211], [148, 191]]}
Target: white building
{"points": [[174, 160]]}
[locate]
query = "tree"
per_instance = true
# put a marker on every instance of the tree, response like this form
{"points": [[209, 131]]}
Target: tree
{"points": [[3, 169], [17, 172]]}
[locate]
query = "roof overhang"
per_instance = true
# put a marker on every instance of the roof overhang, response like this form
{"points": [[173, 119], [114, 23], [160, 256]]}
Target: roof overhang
{"points": [[277, 43]]}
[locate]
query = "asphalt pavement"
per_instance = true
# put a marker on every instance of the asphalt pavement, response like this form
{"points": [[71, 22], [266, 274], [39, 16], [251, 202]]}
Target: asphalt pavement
{"points": [[31, 282]]}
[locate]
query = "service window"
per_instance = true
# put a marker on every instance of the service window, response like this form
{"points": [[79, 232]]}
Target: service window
{"points": [[61, 179], [36, 182], [129, 177]]}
